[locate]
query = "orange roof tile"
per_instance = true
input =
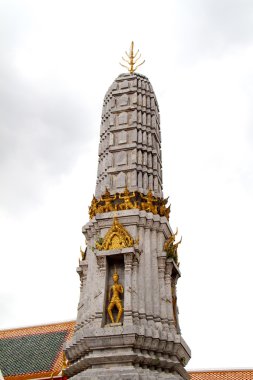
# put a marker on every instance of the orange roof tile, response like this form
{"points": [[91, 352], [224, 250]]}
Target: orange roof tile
{"points": [[244, 374]]}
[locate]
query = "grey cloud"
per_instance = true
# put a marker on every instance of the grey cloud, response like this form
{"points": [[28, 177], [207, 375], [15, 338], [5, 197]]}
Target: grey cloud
{"points": [[41, 136], [213, 26], [42, 131]]}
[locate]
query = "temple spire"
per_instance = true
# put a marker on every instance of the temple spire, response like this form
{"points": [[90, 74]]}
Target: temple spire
{"points": [[127, 322]]}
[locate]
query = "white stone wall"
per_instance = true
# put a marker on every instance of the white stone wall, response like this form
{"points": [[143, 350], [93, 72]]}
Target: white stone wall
{"points": [[148, 283]]}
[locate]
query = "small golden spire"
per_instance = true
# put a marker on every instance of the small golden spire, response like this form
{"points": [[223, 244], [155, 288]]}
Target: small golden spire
{"points": [[132, 59]]}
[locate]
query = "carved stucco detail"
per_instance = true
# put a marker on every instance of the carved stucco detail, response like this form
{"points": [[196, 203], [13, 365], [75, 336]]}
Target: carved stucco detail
{"points": [[101, 260], [116, 238]]}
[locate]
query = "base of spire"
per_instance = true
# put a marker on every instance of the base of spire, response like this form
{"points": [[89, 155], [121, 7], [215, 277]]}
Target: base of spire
{"points": [[127, 373], [120, 352]]}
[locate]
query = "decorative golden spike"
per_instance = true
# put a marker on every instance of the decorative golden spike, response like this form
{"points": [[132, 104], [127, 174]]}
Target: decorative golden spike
{"points": [[131, 59], [64, 361], [82, 253]]}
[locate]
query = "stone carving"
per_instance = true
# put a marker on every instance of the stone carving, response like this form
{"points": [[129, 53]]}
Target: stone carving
{"points": [[128, 259], [121, 158], [121, 180], [123, 118], [124, 84], [116, 289], [122, 137], [123, 100], [101, 260], [116, 238]]}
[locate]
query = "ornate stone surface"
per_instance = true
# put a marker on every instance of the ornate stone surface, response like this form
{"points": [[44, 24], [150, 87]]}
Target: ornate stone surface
{"points": [[129, 231], [130, 142]]}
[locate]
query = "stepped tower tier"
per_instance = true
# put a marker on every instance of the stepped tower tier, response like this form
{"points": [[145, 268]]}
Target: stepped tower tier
{"points": [[130, 139], [127, 322]]}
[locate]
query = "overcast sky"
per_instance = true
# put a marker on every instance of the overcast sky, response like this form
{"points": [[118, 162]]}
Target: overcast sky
{"points": [[57, 60]]}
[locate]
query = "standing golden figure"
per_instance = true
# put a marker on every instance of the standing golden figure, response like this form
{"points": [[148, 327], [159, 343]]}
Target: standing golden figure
{"points": [[116, 289], [126, 196]]}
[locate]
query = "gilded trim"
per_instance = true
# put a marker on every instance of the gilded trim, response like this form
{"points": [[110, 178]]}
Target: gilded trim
{"points": [[129, 200]]}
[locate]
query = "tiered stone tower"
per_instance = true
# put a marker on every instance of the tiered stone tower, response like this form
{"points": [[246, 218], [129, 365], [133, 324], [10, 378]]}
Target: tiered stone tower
{"points": [[128, 233]]}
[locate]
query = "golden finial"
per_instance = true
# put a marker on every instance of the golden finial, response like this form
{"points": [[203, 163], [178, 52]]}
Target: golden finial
{"points": [[132, 59], [82, 253]]}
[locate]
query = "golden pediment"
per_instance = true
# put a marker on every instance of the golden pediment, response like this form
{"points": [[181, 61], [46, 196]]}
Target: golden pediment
{"points": [[116, 238]]}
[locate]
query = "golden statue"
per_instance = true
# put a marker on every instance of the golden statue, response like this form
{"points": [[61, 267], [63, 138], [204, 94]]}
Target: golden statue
{"points": [[129, 200], [171, 247], [167, 212], [116, 289], [126, 196], [131, 59], [107, 198], [164, 211], [93, 207], [148, 205]]}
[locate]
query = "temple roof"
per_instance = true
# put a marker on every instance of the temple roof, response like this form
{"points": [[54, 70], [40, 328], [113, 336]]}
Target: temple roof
{"points": [[33, 352], [242, 374]]}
